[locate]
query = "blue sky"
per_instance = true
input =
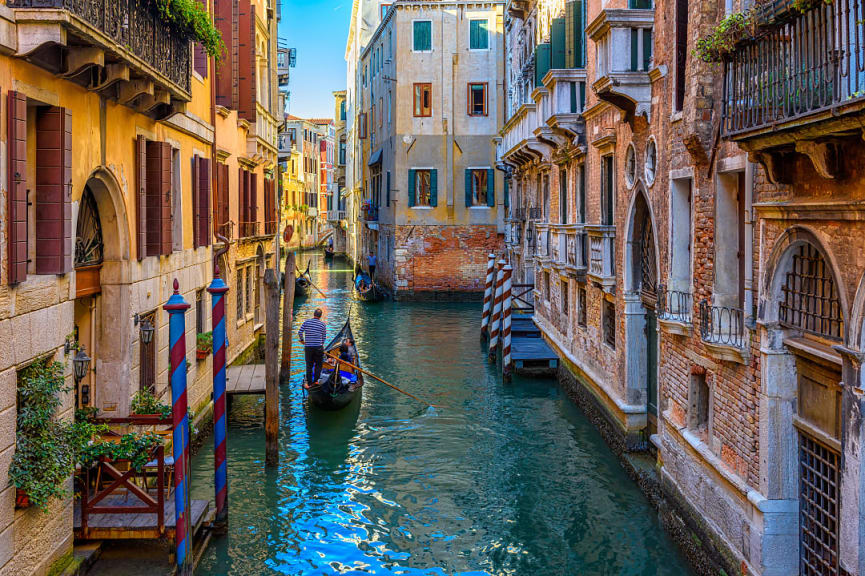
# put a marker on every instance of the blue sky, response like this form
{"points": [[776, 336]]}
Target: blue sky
{"points": [[318, 29]]}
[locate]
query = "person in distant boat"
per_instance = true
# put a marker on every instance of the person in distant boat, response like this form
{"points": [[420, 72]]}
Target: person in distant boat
{"points": [[345, 352], [371, 262], [330, 244], [312, 334], [360, 283]]}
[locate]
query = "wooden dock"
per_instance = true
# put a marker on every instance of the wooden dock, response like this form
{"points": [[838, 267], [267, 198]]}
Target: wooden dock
{"points": [[133, 525], [529, 351], [245, 379]]}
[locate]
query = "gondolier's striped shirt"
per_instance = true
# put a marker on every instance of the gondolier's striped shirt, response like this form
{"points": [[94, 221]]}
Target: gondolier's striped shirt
{"points": [[313, 332]]}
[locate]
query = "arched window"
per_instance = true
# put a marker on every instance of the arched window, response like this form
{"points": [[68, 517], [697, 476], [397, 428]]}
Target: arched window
{"points": [[809, 297], [88, 236]]}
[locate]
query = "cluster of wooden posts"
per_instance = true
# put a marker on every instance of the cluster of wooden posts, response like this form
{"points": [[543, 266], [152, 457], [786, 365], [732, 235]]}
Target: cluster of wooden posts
{"points": [[496, 317]]}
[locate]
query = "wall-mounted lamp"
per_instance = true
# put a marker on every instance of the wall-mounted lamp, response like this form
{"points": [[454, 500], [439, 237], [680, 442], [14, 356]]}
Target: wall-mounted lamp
{"points": [[146, 330], [80, 368]]}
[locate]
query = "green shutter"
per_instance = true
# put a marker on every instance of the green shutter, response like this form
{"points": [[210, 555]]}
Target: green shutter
{"points": [[634, 50], [582, 96], [411, 178], [478, 35], [491, 187], [647, 48], [433, 188], [485, 34], [557, 41], [422, 35], [580, 35], [542, 63], [468, 187], [573, 97]]}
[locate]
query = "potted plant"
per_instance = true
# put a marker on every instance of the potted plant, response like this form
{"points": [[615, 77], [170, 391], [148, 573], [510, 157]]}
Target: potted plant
{"points": [[203, 345], [43, 458], [144, 403]]}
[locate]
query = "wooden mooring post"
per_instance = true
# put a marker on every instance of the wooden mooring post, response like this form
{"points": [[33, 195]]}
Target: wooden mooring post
{"points": [[506, 323], [271, 375], [497, 312], [488, 295], [287, 318]]}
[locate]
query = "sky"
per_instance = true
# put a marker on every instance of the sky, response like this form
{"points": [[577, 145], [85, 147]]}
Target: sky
{"points": [[317, 29]]}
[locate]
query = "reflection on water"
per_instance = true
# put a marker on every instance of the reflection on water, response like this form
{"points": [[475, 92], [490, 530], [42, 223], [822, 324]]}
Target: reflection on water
{"points": [[501, 479]]}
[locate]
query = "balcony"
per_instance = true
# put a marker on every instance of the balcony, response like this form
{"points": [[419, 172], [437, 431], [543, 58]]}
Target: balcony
{"points": [[335, 215], [286, 58], [121, 49], [602, 255], [623, 38], [576, 250], [800, 81], [559, 108], [369, 213], [674, 310], [249, 229], [518, 144], [542, 247], [722, 330]]}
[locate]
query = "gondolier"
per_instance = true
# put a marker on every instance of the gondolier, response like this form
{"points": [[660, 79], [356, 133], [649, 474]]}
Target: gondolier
{"points": [[371, 262], [312, 334]]}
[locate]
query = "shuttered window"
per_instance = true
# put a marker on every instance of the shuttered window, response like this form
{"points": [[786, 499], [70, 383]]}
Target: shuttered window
{"points": [[201, 201], [16, 208], [269, 206], [479, 36], [423, 187], [53, 190], [558, 43], [422, 35], [477, 99], [226, 72], [220, 207], [542, 63], [246, 80], [681, 53], [158, 199], [141, 196], [575, 34]]}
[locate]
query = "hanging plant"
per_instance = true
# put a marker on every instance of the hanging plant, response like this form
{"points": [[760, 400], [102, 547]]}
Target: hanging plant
{"points": [[724, 36], [192, 17], [203, 345]]}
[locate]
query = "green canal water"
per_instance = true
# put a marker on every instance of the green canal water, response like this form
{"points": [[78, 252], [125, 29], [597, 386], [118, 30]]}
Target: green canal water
{"points": [[502, 479]]}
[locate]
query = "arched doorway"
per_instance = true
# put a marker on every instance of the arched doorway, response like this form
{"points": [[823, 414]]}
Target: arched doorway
{"points": [[102, 295], [641, 320]]}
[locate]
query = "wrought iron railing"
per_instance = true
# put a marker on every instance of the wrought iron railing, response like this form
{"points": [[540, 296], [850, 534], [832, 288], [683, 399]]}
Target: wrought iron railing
{"points": [[806, 63], [136, 28], [335, 215], [674, 305], [534, 213], [249, 229], [722, 325], [270, 227], [518, 214], [522, 297], [370, 213]]}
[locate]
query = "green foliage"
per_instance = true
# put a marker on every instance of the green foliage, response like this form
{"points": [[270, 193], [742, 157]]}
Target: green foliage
{"points": [[192, 17], [724, 37], [146, 403], [204, 342], [133, 447], [43, 458]]}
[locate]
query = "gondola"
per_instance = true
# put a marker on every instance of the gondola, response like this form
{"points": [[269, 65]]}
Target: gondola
{"points": [[336, 389], [302, 284], [370, 293], [328, 253]]}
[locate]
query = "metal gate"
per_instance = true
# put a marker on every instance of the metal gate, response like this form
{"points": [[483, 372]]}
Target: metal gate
{"points": [[818, 508]]}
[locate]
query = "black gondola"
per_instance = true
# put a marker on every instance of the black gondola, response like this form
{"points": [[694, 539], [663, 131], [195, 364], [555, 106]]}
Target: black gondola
{"points": [[328, 253], [301, 283], [369, 293], [333, 390]]}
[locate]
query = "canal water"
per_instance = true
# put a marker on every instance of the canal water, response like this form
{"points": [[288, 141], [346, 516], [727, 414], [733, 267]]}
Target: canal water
{"points": [[501, 479]]}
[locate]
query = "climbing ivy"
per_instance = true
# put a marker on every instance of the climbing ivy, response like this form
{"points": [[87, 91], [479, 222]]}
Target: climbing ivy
{"points": [[192, 16]]}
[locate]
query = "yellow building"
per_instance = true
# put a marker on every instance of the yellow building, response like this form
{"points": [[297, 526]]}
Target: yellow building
{"points": [[115, 159]]}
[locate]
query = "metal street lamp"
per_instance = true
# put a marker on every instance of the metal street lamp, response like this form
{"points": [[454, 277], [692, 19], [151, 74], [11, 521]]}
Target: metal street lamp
{"points": [[147, 331], [80, 365]]}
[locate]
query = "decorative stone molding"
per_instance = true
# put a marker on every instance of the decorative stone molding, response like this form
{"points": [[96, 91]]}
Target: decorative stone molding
{"points": [[823, 156]]}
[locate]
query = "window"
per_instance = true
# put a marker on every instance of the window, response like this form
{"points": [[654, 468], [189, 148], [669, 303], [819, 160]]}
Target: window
{"points": [[477, 99], [651, 161], [238, 293], [607, 184], [681, 53], [563, 196], [147, 356], [422, 35], [641, 49], [200, 328], [547, 286], [342, 110], [581, 193], [422, 100], [247, 294], [698, 403], [609, 323], [380, 112], [630, 166], [361, 126], [384, 9], [564, 295], [177, 201], [479, 36], [730, 257], [680, 265], [422, 187], [581, 303], [480, 190]]}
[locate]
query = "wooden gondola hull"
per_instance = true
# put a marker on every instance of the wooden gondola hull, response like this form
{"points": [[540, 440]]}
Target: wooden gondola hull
{"points": [[322, 395], [328, 254], [327, 401], [370, 295], [301, 289]]}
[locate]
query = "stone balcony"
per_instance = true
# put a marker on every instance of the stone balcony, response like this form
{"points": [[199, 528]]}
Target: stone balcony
{"points": [[568, 245], [623, 38], [602, 255], [798, 86], [120, 48], [518, 145], [559, 108]]}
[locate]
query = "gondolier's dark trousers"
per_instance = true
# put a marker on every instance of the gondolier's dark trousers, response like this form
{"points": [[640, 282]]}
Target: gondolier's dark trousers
{"points": [[371, 270], [314, 357]]}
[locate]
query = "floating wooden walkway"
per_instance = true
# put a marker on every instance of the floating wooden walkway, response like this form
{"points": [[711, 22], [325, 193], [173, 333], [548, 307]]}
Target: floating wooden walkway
{"points": [[530, 353], [245, 379], [137, 525]]}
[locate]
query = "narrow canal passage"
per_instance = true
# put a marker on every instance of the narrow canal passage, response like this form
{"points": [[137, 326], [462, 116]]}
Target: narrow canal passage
{"points": [[502, 479]]}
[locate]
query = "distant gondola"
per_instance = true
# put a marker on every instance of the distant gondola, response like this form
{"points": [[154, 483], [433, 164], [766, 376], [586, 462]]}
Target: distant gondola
{"points": [[369, 292], [336, 389], [302, 284], [328, 253]]}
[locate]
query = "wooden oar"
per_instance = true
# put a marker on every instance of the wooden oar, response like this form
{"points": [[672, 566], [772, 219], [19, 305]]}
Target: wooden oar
{"points": [[380, 380], [310, 281]]}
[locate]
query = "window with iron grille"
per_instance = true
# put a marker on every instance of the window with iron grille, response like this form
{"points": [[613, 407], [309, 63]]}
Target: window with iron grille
{"points": [[609, 323], [581, 312], [199, 312], [564, 293], [809, 296], [818, 508], [239, 293], [247, 296], [147, 358]]}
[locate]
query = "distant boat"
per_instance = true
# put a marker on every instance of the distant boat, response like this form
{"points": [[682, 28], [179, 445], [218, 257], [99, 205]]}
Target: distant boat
{"points": [[336, 389], [328, 253], [302, 283], [369, 293]]}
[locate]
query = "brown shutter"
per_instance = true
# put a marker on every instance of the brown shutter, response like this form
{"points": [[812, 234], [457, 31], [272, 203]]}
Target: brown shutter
{"points": [[53, 183], [158, 198], [246, 83], [226, 198], [17, 178], [225, 70], [196, 208], [217, 204], [203, 213], [241, 194], [141, 204], [253, 200]]}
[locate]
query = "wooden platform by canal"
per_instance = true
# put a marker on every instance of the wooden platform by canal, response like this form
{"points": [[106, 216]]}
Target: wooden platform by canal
{"points": [[245, 379], [529, 351]]}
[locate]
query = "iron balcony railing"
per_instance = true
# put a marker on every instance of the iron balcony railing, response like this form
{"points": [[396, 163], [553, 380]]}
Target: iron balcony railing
{"points": [[335, 215], [803, 64], [137, 31], [518, 214], [249, 229], [370, 213], [674, 305], [534, 213], [722, 325], [270, 227]]}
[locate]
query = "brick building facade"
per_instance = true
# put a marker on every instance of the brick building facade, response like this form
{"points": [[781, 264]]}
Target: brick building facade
{"points": [[698, 260]]}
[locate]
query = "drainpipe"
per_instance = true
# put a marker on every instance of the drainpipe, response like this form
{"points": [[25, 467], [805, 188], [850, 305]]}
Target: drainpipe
{"points": [[750, 312]]}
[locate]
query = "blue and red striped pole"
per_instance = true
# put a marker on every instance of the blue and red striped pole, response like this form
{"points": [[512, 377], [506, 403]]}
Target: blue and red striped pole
{"points": [[217, 291], [176, 308]]}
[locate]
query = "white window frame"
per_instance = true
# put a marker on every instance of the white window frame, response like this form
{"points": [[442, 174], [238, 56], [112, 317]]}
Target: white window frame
{"points": [[431, 42], [469, 41]]}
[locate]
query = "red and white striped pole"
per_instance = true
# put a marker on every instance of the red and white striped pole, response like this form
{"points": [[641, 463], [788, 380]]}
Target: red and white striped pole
{"points": [[506, 323], [497, 312], [488, 294]]}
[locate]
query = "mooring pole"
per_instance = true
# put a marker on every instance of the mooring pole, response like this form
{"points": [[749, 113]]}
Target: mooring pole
{"points": [[506, 323], [176, 308], [271, 375], [217, 290], [287, 309], [488, 294], [497, 312]]}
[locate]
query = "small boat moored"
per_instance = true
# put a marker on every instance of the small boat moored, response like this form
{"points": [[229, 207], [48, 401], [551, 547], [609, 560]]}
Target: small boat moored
{"points": [[302, 283], [338, 385]]}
